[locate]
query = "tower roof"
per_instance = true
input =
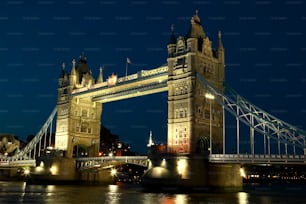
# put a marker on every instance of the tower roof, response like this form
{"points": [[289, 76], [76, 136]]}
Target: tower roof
{"points": [[82, 67], [195, 30]]}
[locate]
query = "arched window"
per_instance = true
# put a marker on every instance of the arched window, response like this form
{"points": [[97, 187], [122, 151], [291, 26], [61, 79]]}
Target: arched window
{"points": [[85, 128], [84, 113]]}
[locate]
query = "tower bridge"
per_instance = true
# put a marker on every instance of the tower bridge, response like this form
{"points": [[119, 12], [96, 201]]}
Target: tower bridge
{"points": [[197, 102]]}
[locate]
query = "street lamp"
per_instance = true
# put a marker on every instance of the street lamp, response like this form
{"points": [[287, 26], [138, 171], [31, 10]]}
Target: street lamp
{"points": [[210, 97]]}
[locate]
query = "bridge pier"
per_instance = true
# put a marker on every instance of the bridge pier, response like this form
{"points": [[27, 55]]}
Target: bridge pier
{"points": [[53, 169], [191, 172], [57, 169], [98, 176]]}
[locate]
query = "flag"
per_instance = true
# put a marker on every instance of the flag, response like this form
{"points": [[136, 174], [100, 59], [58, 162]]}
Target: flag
{"points": [[128, 60]]}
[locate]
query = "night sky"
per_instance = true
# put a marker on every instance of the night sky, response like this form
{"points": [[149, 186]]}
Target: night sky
{"points": [[265, 54]]}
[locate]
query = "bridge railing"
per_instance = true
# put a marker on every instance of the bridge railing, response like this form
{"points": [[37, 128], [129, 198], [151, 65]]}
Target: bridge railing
{"points": [[16, 163], [108, 162], [258, 158], [140, 75]]}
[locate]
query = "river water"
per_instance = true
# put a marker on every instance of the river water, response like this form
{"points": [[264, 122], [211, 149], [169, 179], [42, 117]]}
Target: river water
{"points": [[19, 192]]}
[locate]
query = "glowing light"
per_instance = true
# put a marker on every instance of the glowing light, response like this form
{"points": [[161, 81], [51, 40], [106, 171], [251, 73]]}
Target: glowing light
{"points": [[26, 172], [209, 96], [149, 164], [242, 173], [181, 199], [113, 172], [181, 166], [242, 198], [41, 166], [163, 163], [54, 170], [113, 188], [112, 80]]}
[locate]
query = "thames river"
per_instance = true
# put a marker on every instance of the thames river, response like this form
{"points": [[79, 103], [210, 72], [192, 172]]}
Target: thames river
{"points": [[19, 192]]}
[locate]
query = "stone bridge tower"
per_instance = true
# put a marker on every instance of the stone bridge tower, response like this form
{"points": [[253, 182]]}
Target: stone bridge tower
{"points": [[192, 117], [78, 120]]}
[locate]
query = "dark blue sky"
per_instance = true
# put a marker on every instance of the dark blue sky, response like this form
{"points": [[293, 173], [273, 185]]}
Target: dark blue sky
{"points": [[264, 42]]}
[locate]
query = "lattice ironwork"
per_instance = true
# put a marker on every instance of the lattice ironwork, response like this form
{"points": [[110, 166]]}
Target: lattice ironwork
{"points": [[36, 145], [256, 118]]}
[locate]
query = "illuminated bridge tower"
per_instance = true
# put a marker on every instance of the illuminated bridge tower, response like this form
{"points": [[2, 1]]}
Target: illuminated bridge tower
{"points": [[192, 117], [78, 120]]}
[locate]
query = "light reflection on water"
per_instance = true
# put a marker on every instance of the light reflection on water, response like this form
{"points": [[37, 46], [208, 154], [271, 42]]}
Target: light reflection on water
{"points": [[19, 192], [242, 198]]}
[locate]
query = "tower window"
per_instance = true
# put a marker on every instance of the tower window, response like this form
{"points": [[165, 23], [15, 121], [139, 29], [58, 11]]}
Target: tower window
{"points": [[83, 128], [181, 61], [182, 114], [84, 113]]}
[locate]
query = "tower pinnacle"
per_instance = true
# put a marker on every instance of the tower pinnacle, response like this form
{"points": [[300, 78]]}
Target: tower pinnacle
{"points": [[172, 36], [73, 63], [196, 18], [100, 77], [220, 44], [73, 71]]}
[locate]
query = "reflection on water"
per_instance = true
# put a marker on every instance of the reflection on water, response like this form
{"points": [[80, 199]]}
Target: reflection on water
{"points": [[242, 197], [113, 195], [19, 192]]}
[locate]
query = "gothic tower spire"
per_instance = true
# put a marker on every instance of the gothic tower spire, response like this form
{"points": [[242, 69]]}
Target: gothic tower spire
{"points": [[100, 77], [172, 42]]}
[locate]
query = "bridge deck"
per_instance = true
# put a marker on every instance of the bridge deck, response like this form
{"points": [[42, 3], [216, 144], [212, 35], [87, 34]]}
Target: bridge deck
{"points": [[144, 82]]}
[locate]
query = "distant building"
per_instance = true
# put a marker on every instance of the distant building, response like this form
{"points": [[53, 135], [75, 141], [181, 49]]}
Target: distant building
{"points": [[155, 148], [8, 144]]}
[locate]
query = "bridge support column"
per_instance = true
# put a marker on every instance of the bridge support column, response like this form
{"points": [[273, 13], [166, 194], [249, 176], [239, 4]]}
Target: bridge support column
{"points": [[53, 169], [192, 173]]}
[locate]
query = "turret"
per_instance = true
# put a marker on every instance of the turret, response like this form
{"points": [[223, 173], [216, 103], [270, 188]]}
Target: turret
{"points": [[220, 56], [63, 79], [100, 77], [63, 85], [220, 49], [195, 34], [172, 42], [73, 75]]}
